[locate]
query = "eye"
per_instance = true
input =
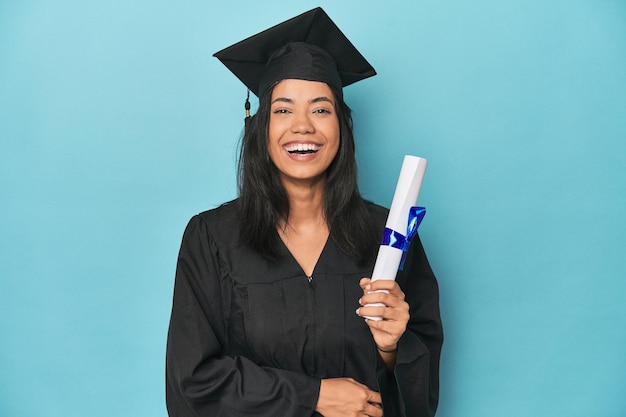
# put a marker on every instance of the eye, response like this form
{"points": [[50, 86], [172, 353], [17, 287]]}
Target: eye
{"points": [[280, 111], [322, 110]]}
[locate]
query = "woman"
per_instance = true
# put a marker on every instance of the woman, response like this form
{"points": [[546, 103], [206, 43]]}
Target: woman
{"points": [[263, 320]]}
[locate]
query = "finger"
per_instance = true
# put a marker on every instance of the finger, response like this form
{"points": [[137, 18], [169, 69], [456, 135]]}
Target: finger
{"points": [[374, 397], [364, 282], [373, 311], [374, 297], [393, 321], [365, 285], [385, 284], [373, 410], [390, 300], [390, 330], [383, 307]]}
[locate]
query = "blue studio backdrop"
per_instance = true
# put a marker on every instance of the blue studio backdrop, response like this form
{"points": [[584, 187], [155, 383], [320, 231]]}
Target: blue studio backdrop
{"points": [[117, 125]]}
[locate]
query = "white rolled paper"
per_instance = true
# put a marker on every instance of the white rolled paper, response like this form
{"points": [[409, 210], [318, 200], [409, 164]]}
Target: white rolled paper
{"points": [[405, 197]]}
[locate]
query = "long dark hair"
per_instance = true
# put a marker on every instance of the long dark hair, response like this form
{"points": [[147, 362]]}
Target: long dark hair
{"points": [[263, 201]]}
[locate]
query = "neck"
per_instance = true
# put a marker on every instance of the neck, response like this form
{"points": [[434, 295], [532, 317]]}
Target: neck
{"points": [[306, 202]]}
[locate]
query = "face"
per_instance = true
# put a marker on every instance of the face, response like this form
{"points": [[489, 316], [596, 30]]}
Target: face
{"points": [[303, 130]]}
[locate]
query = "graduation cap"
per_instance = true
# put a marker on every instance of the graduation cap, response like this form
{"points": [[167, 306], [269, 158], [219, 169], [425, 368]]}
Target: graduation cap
{"points": [[307, 47]]}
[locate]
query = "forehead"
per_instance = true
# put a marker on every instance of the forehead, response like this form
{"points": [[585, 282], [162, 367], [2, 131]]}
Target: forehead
{"points": [[302, 90]]}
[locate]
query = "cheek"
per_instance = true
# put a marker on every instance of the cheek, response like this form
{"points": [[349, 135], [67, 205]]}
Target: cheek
{"points": [[275, 130], [336, 138]]}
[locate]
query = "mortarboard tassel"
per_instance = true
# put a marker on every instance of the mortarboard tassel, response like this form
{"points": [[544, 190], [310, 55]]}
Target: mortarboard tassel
{"points": [[247, 107]]}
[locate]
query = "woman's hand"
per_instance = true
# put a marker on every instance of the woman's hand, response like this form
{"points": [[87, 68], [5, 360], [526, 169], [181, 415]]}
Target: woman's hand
{"points": [[345, 397], [394, 312]]}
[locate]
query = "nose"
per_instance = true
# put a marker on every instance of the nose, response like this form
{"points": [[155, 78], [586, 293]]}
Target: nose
{"points": [[302, 123]]}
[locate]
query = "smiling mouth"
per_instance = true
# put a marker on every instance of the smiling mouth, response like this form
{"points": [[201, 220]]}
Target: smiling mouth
{"points": [[302, 148]]}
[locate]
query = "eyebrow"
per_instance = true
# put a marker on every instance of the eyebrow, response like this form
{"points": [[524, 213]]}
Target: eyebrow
{"points": [[321, 99], [312, 101], [282, 100]]}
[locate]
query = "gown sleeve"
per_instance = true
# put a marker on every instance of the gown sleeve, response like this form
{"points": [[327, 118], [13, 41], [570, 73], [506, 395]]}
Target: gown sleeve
{"points": [[201, 380], [419, 348]]}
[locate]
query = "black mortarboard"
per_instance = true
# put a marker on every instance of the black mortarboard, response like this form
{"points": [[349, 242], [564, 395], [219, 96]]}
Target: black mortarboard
{"points": [[307, 47]]}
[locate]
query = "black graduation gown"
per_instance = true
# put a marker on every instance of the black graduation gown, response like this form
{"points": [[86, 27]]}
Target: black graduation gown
{"points": [[249, 337]]}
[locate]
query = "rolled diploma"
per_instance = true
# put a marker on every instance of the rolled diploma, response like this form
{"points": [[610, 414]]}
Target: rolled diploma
{"points": [[405, 197]]}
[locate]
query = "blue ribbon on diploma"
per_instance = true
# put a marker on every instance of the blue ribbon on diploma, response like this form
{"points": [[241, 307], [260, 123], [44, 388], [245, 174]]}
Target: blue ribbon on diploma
{"points": [[398, 240]]}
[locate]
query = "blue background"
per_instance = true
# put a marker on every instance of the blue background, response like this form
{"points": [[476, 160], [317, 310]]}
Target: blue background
{"points": [[117, 125]]}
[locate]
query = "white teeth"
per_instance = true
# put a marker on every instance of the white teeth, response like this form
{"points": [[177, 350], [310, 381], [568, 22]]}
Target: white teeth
{"points": [[302, 147]]}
